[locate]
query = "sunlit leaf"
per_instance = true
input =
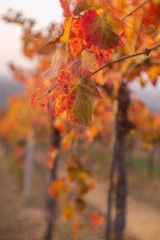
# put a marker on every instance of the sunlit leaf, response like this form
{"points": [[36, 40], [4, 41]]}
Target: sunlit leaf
{"points": [[64, 36], [153, 74]]}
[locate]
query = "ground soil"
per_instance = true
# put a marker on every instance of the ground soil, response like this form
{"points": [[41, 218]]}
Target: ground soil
{"points": [[28, 222]]}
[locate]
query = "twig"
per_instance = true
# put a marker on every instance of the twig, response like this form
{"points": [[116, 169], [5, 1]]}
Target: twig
{"points": [[145, 52], [50, 90], [138, 7]]}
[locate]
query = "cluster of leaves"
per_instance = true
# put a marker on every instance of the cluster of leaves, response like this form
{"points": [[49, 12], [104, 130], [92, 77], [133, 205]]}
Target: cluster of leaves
{"points": [[84, 63], [143, 129], [71, 191], [92, 32], [89, 36], [79, 179]]}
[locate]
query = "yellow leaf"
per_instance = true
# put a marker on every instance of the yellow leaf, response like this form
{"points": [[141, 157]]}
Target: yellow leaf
{"points": [[56, 188], [153, 73], [87, 60], [68, 212], [142, 82], [65, 35]]}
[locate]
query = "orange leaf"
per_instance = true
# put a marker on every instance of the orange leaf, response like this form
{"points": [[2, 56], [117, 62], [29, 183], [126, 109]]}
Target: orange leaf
{"points": [[65, 5], [67, 140], [68, 212], [56, 188], [95, 219], [52, 156], [153, 74], [64, 36]]}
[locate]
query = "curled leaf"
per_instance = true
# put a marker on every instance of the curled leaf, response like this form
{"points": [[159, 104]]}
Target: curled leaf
{"points": [[64, 36], [59, 57]]}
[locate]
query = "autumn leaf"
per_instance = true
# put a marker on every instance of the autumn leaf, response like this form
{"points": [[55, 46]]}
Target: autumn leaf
{"points": [[81, 5], [56, 187], [59, 57], [83, 187], [87, 59], [77, 95], [64, 36], [67, 140], [76, 43], [98, 31], [52, 156], [153, 74], [65, 4], [68, 212], [142, 81], [96, 219], [80, 205], [42, 103], [102, 56]]}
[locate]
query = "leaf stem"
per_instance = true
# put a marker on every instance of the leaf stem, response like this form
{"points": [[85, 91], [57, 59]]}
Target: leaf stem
{"points": [[50, 90]]}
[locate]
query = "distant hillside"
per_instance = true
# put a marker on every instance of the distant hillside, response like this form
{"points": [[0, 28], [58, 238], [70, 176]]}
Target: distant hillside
{"points": [[7, 88]]}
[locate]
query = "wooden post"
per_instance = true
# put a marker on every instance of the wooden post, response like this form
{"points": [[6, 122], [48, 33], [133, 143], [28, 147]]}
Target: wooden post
{"points": [[29, 167], [51, 203], [122, 127]]}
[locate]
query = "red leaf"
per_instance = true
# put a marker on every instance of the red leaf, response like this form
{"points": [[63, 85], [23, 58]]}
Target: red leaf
{"points": [[56, 188], [76, 43], [97, 31], [42, 103], [77, 93], [95, 219], [65, 4]]}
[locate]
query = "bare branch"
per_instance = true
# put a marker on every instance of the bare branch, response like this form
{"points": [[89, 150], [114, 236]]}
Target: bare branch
{"points": [[50, 90], [145, 52], [138, 7]]}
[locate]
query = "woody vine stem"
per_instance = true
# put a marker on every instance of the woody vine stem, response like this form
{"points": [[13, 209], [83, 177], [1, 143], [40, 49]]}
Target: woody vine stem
{"points": [[145, 52]]}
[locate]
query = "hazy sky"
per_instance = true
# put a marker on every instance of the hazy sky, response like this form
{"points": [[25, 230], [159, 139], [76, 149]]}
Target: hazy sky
{"points": [[43, 12]]}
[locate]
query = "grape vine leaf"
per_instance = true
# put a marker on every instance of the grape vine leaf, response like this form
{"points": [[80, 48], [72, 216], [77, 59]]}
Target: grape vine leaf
{"points": [[59, 57], [98, 31], [77, 94]]}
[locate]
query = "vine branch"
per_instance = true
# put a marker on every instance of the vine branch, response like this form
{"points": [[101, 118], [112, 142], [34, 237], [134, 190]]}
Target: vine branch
{"points": [[145, 52], [138, 7], [109, 64]]}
